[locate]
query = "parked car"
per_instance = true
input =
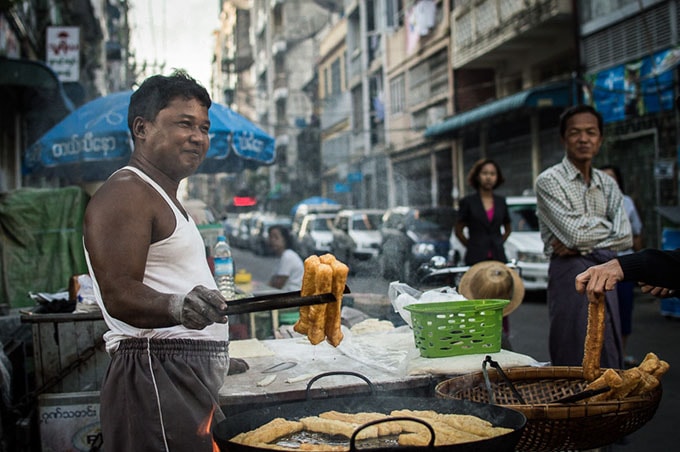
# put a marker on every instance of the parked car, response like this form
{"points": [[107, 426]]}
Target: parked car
{"points": [[240, 235], [259, 233], [411, 236], [356, 235], [524, 245], [303, 210], [315, 234]]}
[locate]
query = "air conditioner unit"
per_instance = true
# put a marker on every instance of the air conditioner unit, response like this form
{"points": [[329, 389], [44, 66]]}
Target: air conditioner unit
{"points": [[434, 115]]}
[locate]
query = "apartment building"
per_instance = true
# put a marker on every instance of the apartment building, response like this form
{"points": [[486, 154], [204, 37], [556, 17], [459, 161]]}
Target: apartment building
{"points": [[285, 49], [513, 64], [419, 94], [428, 89], [629, 53]]}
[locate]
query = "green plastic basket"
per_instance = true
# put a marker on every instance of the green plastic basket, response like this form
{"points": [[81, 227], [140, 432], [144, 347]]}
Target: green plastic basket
{"points": [[454, 328]]}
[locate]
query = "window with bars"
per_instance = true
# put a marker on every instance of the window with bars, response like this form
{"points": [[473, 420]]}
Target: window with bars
{"points": [[463, 30], [394, 10], [357, 109], [428, 79], [486, 16], [630, 39], [336, 80], [397, 94]]}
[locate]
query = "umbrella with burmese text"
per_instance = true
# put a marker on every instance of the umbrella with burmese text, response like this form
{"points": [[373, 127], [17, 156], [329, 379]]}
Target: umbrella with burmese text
{"points": [[93, 141]]}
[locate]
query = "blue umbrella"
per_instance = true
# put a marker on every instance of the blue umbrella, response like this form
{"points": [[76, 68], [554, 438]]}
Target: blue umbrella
{"points": [[93, 141], [314, 201]]}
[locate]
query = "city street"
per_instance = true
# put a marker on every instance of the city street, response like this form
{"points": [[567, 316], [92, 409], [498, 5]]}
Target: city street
{"points": [[529, 332]]}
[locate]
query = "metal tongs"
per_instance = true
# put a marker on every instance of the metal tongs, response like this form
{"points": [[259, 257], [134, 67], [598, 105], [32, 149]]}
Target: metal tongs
{"points": [[495, 365], [277, 301], [568, 399]]}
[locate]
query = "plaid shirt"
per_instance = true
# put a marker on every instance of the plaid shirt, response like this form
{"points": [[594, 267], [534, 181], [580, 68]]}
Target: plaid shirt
{"points": [[582, 217]]}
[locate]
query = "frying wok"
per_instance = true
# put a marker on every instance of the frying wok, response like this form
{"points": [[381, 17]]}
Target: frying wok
{"points": [[252, 419]]}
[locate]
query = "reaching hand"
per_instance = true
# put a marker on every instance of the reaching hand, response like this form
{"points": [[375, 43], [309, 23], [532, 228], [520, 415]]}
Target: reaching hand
{"points": [[598, 279], [199, 308], [660, 292]]}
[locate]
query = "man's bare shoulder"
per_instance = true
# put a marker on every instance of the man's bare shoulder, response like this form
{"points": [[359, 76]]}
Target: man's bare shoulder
{"points": [[122, 192]]}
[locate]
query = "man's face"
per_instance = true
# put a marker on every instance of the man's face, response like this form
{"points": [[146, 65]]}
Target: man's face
{"points": [[582, 138], [177, 140]]}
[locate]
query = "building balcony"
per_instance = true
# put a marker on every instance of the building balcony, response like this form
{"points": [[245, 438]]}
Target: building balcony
{"points": [[280, 81], [280, 94], [336, 109], [279, 46], [260, 63], [260, 22], [489, 33]]}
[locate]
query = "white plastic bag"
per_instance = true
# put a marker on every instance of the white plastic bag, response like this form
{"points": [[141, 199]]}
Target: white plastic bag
{"points": [[402, 295]]}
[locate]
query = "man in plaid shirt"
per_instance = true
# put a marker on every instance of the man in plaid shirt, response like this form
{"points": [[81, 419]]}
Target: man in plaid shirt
{"points": [[583, 223]]}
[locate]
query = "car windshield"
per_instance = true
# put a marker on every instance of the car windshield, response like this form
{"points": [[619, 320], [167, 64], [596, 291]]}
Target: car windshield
{"points": [[366, 222], [433, 221], [523, 217], [321, 224]]}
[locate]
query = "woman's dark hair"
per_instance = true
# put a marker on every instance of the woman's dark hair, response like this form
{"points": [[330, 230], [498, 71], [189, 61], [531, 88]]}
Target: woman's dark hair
{"points": [[617, 175], [285, 233], [576, 109], [157, 91], [473, 175]]}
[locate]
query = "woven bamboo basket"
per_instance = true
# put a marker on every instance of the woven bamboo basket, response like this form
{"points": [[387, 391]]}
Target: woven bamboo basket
{"points": [[556, 426]]}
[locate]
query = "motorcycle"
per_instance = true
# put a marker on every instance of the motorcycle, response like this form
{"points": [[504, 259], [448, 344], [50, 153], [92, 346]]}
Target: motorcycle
{"points": [[438, 272]]}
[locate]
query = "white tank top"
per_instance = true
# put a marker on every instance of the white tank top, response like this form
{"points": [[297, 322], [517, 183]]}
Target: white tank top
{"points": [[174, 265]]}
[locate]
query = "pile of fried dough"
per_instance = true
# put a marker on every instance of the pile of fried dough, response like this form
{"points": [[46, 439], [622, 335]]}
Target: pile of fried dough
{"points": [[324, 274], [631, 382], [449, 429], [622, 383]]}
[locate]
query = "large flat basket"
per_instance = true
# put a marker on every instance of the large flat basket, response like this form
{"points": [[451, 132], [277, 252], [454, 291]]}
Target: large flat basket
{"points": [[555, 426]]}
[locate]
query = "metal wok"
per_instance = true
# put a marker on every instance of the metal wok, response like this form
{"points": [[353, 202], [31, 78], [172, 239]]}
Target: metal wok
{"points": [[498, 416]]}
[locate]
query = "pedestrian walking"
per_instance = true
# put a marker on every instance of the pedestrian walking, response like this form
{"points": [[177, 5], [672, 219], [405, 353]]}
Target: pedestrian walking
{"points": [[582, 223]]}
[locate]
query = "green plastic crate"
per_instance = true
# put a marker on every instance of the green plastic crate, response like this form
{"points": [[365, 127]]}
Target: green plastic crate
{"points": [[454, 328]]}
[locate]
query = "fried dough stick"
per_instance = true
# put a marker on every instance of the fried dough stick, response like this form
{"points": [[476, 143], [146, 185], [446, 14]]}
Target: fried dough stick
{"points": [[609, 378], [385, 429], [269, 432], [594, 339], [308, 288], [317, 312], [336, 427], [334, 309]]}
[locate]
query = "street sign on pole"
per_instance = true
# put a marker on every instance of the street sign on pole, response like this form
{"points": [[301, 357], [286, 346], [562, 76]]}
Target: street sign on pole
{"points": [[63, 52]]}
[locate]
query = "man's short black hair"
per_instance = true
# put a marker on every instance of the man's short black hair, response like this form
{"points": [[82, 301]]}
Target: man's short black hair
{"points": [[157, 91], [576, 109]]}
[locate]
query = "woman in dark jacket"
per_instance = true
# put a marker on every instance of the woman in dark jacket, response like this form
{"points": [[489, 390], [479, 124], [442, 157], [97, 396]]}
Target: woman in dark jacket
{"points": [[483, 213]]}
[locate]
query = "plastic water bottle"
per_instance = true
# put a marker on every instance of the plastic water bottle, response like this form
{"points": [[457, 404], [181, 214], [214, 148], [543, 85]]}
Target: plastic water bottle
{"points": [[224, 268]]}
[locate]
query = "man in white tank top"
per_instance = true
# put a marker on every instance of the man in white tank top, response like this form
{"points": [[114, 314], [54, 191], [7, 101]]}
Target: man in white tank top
{"points": [[168, 332]]}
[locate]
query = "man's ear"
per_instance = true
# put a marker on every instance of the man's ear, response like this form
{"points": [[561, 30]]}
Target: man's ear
{"points": [[139, 127]]}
